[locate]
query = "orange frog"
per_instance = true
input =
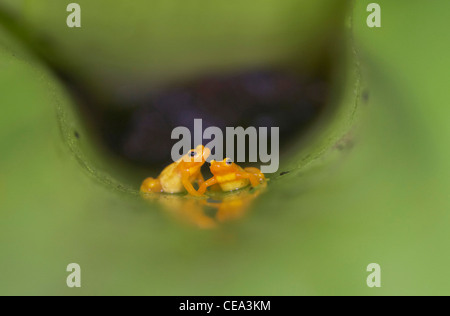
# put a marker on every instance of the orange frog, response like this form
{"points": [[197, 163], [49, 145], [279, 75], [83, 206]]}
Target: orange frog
{"points": [[180, 175], [231, 177]]}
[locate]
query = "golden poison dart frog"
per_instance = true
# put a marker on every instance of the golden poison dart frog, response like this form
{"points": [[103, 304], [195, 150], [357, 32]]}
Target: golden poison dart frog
{"points": [[231, 177], [180, 175]]}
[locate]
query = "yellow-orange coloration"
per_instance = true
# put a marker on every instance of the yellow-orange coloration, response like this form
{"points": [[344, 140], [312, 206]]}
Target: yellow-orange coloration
{"points": [[231, 177], [180, 175], [196, 212], [234, 206]]}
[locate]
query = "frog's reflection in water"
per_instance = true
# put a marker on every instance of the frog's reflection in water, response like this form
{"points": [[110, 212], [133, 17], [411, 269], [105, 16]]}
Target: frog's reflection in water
{"points": [[208, 213]]}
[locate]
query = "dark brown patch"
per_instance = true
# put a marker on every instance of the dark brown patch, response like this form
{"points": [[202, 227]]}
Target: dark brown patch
{"points": [[365, 96]]}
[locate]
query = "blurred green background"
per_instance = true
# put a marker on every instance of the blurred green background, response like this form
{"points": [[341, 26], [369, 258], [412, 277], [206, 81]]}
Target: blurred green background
{"points": [[380, 196]]}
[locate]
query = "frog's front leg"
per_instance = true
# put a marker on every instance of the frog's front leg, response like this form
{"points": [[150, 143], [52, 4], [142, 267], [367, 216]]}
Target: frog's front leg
{"points": [[186, 180], [206, 185], [200, 179]]}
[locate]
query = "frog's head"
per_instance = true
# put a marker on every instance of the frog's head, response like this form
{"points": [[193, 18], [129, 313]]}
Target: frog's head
{"points": [[220, 168], [194, 159]]}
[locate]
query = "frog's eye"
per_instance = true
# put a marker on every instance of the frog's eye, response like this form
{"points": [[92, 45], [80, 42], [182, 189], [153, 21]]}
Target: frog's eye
{"points": [[229, 162], [193, 154]]}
